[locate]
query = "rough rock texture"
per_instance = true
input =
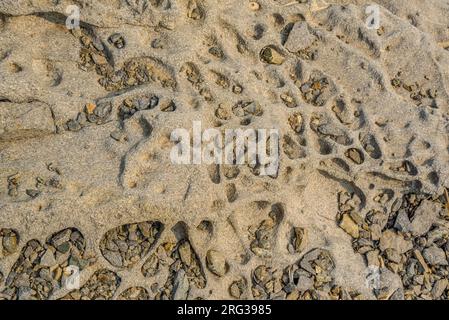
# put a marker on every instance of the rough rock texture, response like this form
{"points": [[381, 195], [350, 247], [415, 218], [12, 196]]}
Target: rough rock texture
{"points": [[358, 207]]}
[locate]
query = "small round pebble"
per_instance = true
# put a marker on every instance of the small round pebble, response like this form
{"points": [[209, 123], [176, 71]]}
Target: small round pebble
{"points": [[253, 5]]}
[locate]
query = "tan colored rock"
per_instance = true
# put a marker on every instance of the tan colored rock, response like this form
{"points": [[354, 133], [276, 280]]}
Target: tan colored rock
{"points": [[391, 239], [349, 225], [372, 258], [271, 55], [216, 263], [299, 239], [421, 260]]}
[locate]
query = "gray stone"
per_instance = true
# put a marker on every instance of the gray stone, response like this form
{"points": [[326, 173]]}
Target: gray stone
{"points": [[24, 293], [424, 217], [391, 283], [435, 256], [299, 38], [181, 286], [439, 287], [402, 222], [397, 295], [436, 234], [114, 258], [48, 259], [304, 283], [73, 125], [33, 193], [61, 237]]}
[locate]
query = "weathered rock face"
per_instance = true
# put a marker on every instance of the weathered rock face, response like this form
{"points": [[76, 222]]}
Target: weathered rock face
{"points": [[92, 205], [25, 121], [299, 38]]}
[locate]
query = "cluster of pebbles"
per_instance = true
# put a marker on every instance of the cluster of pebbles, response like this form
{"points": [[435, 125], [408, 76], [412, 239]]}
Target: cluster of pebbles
{"points": [[102, 285], [95, 56], [186, 270], [317, 90], [130, 106], [265, 234], [42, 269], [134, 293], [407, 244], [421, 93], [17, 190], [126, 245], [92, 114], [312, 278]]}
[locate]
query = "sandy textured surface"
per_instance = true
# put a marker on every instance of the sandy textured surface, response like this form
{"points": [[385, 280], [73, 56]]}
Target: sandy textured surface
{"points": [[86, 178]]}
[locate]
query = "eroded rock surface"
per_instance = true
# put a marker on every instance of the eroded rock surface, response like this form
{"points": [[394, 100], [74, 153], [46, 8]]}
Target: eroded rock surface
{"points": [[93, 207]]}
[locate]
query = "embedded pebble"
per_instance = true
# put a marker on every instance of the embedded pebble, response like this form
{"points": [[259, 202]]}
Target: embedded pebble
{"points": [[271, 55], [216, 263], [117, 40]]}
